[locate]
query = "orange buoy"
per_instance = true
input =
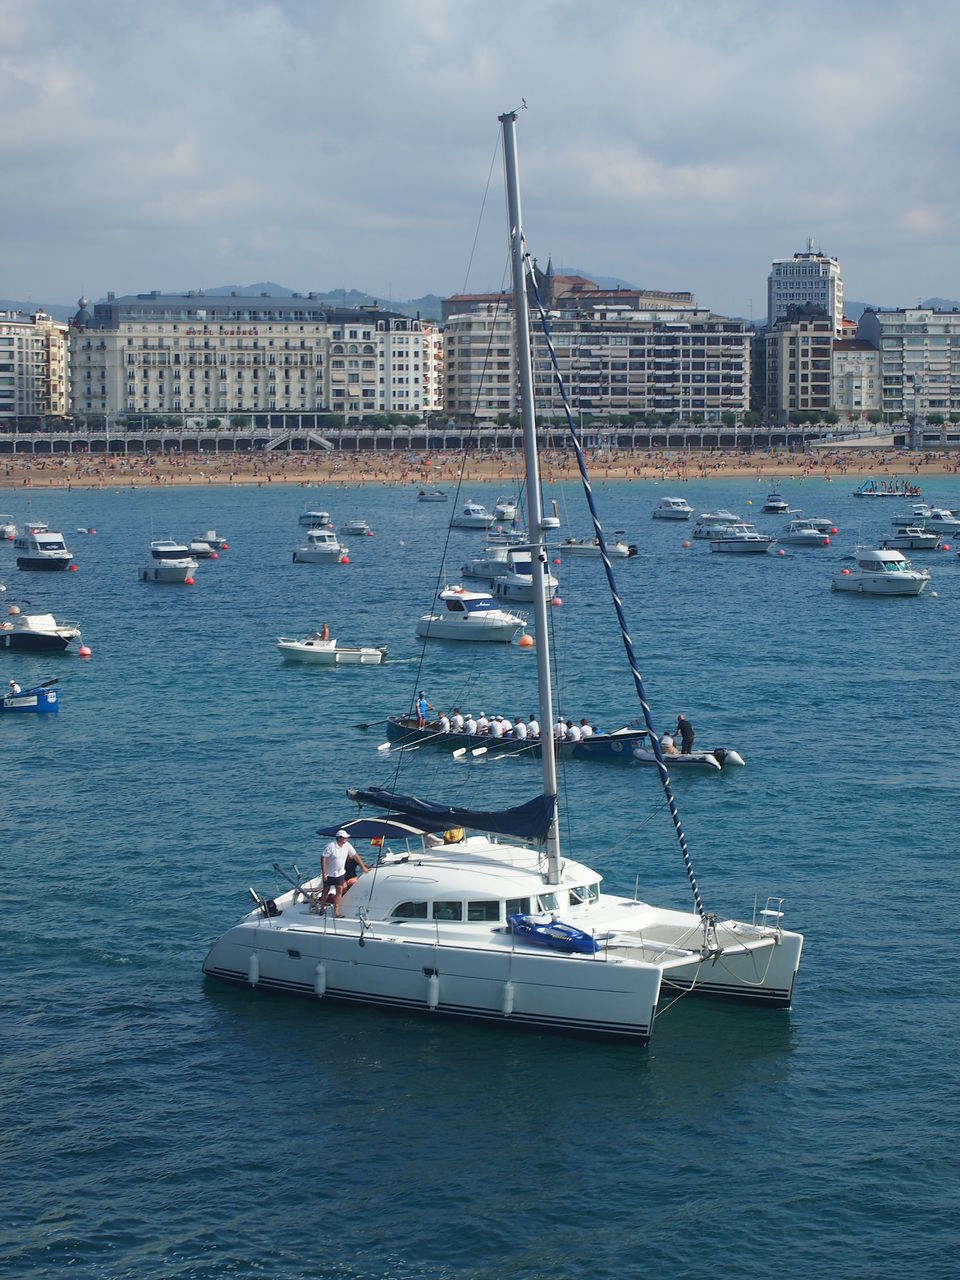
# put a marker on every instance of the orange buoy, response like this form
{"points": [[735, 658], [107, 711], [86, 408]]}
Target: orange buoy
{"points": [[833, 531], [525, 641], [83, 651], [844, 573], [781, 552], [945, 546], [685, 544], [344, 559], [826, 542], [556, 600], [556, 559], [188, 582], [72, 568], [214, 556]]}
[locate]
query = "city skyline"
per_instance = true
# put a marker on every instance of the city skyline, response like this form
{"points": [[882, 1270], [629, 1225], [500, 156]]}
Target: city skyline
{"points": [[678, 146]]}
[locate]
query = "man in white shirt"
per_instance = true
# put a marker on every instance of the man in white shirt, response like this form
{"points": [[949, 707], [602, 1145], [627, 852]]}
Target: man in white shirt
{"points": [[573, 733], [559, 730], [519, 729], [533, 728], [469, 725], [456, 721], [14, 687], [333, 863], [496, 727], [586, 728], [483, 724], [444, 722]]}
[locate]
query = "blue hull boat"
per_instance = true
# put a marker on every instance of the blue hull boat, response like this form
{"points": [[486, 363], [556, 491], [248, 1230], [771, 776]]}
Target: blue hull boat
{"points": [[42, 698]]}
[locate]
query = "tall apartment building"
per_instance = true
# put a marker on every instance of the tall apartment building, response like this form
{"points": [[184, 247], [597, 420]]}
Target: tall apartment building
{"points": [[807, 279], [214, 355], [614, 361], [919, 360], [799, 348], [856, 378], [34, 366]]}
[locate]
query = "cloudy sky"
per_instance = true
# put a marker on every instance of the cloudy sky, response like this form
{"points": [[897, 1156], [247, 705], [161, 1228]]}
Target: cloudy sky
{"points": [[677, 144]]}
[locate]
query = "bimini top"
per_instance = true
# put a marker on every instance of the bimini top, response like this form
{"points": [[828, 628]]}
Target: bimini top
{"points": [[530, 821]]}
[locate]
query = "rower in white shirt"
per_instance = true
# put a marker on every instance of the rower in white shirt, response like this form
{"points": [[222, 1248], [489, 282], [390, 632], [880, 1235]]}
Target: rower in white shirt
{"points": [[444, 722], [573, 733], [496, 727], [469, 725], [586, 728], [483, 724], [519, 729], [533, 728], [456, 721]]}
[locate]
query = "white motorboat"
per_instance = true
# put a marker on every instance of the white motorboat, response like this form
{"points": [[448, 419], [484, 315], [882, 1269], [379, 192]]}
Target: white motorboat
{"points": [[673, 509], [821, 524], [358, 527], [775, 504], [590, 547], [881, 572], [516, 582], [214, 539], [328, 652], [39, 548], [941, 520], [741, 539], [918, 514], [492, 562], [8, 528], [498, 926], [473, 516], [803, 533], [913, 538], [470, 615], [505, 509], [710, 521], [170, 562], [316, 520], [431, 495], [200, 549], [36, 632], [321, 547]]}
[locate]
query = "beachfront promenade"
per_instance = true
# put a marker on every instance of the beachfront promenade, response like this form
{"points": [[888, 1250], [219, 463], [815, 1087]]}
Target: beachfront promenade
{"points": [[312, 435]]}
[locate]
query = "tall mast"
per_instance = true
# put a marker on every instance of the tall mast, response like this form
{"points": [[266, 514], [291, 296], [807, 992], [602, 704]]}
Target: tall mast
{"points": [[532, 469]]}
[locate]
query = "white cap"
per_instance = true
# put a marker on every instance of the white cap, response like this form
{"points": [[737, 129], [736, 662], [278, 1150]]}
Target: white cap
{"points": [[341, 832]]}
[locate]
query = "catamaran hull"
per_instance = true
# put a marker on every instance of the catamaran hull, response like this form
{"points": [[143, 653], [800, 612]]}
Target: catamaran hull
{"points": [[551, 991]]}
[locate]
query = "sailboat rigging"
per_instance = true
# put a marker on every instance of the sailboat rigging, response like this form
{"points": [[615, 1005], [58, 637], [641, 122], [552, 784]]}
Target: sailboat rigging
{"points": [[477, 914]]}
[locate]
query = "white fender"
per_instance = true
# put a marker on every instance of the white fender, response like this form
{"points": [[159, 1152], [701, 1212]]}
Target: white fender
{"points": [[508, 994], [320, 980], [433, 991], [253, 969], [733, 757]]}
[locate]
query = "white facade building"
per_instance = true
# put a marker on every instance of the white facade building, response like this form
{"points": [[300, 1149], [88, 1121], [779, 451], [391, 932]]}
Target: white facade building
{"points": [[806, 279], [919, 360], [856, 378], [211, 355], [34, 366]]}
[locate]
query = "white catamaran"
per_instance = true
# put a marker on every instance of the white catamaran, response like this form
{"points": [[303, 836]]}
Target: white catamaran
{"points": [[498, 925]]}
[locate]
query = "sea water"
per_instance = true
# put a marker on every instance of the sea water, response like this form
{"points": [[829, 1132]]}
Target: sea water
{"points": [[157, 1124]]}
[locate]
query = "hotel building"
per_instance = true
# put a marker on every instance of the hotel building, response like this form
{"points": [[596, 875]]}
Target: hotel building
{"points": [[806, 279], [919, 360], [197, 354]]}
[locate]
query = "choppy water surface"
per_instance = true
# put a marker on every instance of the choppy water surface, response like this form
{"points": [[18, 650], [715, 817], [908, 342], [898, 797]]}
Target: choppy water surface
{"points": [[158, 1125]]}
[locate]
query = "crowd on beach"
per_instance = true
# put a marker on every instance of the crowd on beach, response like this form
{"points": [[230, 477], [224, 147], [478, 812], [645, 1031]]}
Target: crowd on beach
{"points": [[407, 469]]}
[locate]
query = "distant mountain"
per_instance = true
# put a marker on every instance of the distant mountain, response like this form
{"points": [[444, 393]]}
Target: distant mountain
{"points": [[602, 282], [56, 310]]}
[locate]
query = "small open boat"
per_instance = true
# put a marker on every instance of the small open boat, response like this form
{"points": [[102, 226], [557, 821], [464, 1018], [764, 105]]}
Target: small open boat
{"points": [[553, 934], [42, 698], [329, 652]]}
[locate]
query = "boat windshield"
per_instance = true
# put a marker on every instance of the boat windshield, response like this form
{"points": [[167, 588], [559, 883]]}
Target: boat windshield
{"points": [[482, 604]]}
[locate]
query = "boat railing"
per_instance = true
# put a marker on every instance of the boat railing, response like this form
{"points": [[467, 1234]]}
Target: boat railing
{"points": [[771, 915]]}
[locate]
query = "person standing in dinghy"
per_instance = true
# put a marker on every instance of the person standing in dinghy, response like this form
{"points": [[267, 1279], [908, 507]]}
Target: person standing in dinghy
{"points": [[685, 730]]}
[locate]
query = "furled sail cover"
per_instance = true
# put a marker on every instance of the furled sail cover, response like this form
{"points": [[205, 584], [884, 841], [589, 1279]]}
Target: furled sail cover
{"points": [[530, 821]]}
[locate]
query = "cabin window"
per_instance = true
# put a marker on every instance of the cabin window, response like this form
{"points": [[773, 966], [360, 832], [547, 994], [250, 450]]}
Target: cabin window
{"points": [[483, 910], [448, 911], [455, 606], [584, 893], [410, 911], [518, 906], [547, 902]]}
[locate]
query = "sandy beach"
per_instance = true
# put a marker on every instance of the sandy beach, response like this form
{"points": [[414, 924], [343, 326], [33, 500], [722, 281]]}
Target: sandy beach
{"points": [[442, 469]]}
